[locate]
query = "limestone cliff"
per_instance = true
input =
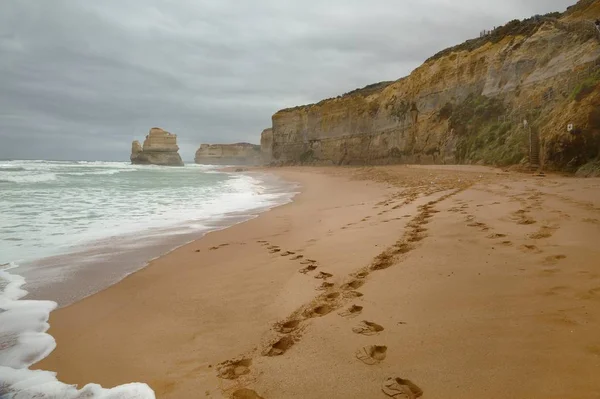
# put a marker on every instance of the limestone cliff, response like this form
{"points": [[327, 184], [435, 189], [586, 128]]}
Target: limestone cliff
{"points": [[266, 146], [228, 154], [488, 100], [160, 148]]}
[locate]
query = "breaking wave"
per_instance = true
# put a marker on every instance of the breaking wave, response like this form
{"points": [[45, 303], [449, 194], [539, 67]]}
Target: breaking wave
{"points": [[10, 177], [24, 342]]}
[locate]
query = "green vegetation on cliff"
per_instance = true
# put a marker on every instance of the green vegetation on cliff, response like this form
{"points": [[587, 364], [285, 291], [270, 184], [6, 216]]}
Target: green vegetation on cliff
{"points": [[480, 136]]}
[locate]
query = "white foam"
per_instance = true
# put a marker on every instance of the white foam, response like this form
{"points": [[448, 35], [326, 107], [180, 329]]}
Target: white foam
{"points": [[20, 177], [24, 342]]}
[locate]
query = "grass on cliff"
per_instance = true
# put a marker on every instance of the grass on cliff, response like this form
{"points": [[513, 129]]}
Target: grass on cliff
{"points": [[586, 87], [480, 137]]}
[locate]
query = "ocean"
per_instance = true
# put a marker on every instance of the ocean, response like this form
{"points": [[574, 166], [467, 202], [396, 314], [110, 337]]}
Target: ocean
{"points": [[71, 229]]}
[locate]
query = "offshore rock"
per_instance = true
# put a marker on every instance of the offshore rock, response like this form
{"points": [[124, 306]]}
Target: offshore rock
{"points": [[160, 148], [228, 154]]}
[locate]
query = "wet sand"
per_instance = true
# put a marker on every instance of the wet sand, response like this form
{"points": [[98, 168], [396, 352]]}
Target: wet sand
{"points": [[474, 283]]}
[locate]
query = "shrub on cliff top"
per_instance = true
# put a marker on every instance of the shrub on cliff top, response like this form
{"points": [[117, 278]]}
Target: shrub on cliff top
{"points": [[515, 27]]}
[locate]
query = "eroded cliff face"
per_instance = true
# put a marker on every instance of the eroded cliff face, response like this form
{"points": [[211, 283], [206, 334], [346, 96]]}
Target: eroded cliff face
{"points": [[228, 154], [266, 146], [160, 148], [480, 102]]}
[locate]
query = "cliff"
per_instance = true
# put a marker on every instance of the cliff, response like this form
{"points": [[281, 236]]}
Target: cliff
{"points": [[228, 154], [266, 146], [489, 100], [160, 148]]}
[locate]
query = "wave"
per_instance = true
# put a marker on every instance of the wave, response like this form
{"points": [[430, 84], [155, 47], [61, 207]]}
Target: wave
{"points": [[11, 169], [26, 178], [96, 173], [24, 342]]}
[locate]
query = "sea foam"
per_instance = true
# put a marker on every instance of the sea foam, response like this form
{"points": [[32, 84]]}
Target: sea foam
{"points": [[24, 342]]}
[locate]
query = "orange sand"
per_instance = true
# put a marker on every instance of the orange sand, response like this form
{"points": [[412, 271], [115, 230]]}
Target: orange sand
{"points": [[486, 284]]}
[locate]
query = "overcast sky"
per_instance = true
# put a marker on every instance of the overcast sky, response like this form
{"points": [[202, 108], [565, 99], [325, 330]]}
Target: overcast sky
{"points": [[81, 79]]}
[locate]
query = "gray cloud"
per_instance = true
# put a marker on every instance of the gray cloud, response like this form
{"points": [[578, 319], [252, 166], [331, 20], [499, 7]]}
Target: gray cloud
{"points": [[81, 79]]}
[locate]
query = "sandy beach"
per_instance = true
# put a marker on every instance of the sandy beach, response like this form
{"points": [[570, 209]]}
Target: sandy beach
{"points": [[460, 282]]}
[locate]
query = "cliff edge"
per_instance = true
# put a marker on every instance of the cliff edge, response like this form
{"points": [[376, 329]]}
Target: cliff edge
{"points": [[525, 93], [160, 148], [228, 154]]}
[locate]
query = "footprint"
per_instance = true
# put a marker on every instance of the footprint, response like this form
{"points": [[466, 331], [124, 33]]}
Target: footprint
{"points": [[287, 253], [382, 261], [590, 220], [308, 262], [297, 257], [543, 232], [352, 294], [526, 221], [402, 248], [399, 388], [371, 354], [593, 293], [231, 370], [274, 250], [280, 347], [368, 328], [529, 248], [415, 237], [333, 296], [245, 393], [352, 311], [507, 243], [362, 274], [352, 285], [323, 276], [550, 260], [288, 326], [308, 269], [325, 286], [318, 311], [479, 225], [496, 235], [262, 242], [273, 247]]}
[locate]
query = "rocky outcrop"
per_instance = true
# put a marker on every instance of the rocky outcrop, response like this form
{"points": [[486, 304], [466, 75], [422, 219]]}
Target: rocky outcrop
{"points": [[266, 146], [160, 148], [228, 154], [478, 102]]}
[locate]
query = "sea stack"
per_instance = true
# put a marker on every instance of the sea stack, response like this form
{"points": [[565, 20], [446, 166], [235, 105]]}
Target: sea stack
{"points": [[228, 154], [160, 148]]}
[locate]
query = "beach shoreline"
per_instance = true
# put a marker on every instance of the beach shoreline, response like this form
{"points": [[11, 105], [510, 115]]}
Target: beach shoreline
{"points": [[393, 234], [103, 262]]}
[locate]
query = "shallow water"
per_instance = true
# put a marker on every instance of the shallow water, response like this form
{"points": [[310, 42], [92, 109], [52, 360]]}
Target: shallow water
{"points": [[75, 228]]}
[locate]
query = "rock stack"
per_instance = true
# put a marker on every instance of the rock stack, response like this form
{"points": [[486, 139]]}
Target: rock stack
{"points": [[160, 148]]}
